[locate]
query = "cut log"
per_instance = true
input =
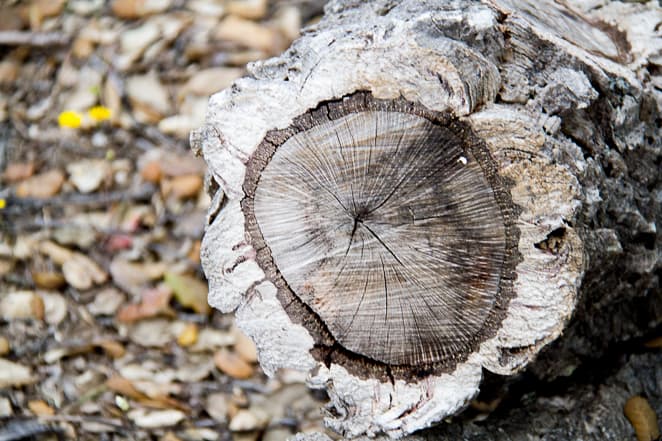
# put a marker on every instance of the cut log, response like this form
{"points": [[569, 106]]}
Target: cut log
{"points": [[416, 192]]}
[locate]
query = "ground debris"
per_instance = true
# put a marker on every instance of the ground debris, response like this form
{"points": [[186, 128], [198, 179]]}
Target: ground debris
{"points": [[105, 329]]}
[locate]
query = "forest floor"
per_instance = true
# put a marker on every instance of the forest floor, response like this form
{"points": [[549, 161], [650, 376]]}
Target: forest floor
{"points": [[105, 331]]}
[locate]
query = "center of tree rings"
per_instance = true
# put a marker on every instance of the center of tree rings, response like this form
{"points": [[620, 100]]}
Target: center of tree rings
{"points": [[387, 232]]}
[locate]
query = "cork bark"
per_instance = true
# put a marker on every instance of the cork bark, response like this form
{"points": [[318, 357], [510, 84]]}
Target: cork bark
{"points": [[565, 99]]}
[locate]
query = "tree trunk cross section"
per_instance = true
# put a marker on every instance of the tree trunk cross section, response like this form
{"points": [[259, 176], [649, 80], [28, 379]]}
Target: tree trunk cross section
{"points": [[388, 233], [417, 192]]}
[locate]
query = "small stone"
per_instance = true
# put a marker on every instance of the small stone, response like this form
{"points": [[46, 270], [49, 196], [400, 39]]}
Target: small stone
{"points": [[250, 9], [5, 408], [4, 346], [216, 406], [55, 307], [152, 419], [88, 175], [40, 408], [277, 435], [248, 420], [231, 364], [106, 302], [21, 305], [41, 186], [196, 369], [80, 234], [188, 336], [201, 434], [212, 339], [153, 333], [85, 7], [14, 374], [208, 8]]}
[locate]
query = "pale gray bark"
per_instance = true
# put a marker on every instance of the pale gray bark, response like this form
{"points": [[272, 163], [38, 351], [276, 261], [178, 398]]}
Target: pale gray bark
{"points": [[567, 100]]}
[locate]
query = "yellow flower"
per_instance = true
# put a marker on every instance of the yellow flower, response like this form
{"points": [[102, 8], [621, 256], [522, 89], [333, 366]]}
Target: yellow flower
{"points": [[3, 203], [70, 119], [99, 113]]}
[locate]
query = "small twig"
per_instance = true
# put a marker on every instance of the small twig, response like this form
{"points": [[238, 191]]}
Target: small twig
{"points": [[80, 419], [24, 38], [142, 193]]}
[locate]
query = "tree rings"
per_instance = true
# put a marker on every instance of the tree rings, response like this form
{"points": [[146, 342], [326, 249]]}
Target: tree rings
{"points": [[387, 232]]}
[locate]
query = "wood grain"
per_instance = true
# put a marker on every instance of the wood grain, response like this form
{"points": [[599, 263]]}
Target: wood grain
{"points": [[389, 231]]}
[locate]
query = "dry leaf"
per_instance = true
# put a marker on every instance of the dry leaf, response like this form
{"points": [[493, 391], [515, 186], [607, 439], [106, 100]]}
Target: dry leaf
{"points": [[112, 348], [41, 186], [18, 171], [249, 34], [48, 279], [87, 175], [189, 292], [194, 253], [40, 408], [249, 419], [244, 346], [82, 273], [154, 302], [151, 172], [138, 8], [133, 276], [643, 418], [4, 346], [251, 9], [57, 253], [125, 387], [186, 186], [232, 364]]}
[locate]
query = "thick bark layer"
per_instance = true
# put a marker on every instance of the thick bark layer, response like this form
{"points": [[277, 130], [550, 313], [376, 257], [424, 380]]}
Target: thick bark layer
{"points": [[567, 105]]}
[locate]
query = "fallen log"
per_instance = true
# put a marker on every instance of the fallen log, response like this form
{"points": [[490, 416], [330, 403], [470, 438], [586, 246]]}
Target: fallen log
{"points": [[418, 192]]}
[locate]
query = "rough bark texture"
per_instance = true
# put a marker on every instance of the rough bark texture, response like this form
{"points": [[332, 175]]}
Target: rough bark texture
{"points": [[567, 101]]}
